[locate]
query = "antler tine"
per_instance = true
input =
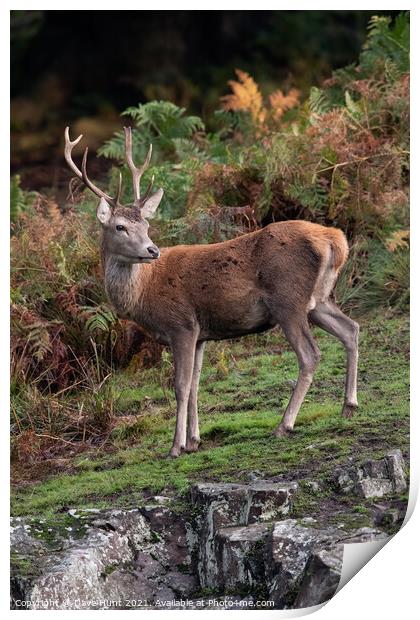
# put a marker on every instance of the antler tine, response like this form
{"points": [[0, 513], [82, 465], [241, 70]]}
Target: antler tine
{"points": [[82, 174], [148, 190], [147, 160], [96, 190], [118, 198], [69, 146], [136, 173], [130, 162]]}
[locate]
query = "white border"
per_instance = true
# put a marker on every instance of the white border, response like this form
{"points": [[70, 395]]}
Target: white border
{"points": [[387, 586]]}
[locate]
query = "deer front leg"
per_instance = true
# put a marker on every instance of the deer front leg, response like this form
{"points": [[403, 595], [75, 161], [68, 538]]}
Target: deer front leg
{"points": [[183, 348], [193, 432]]}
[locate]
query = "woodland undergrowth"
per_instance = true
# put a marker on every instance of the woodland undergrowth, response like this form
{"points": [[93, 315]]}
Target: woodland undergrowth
{"points": [[340, 158]]}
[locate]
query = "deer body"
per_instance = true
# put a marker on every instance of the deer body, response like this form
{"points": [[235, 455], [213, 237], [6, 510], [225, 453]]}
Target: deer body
{"points": [[224, 290], [186, 295]]}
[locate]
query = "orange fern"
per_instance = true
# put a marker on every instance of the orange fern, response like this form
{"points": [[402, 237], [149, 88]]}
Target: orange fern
{"points": [[398, 240], [280, 103], [246, 96]]}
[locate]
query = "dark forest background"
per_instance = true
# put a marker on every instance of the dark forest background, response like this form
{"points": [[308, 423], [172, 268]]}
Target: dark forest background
{"points": [[88, 66], [255, 117]]}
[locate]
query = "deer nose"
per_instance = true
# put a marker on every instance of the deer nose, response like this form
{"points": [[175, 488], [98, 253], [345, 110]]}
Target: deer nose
{"points": [[153, 251]]}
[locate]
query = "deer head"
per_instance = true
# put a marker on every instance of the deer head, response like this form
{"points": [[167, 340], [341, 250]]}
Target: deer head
{"points": [[125, 227]]}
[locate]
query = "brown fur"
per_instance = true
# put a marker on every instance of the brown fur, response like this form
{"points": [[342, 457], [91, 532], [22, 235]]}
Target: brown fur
{"points": [[280, 275], [235, 287]]}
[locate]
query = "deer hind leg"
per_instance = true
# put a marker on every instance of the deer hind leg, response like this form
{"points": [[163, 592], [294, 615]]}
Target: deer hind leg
{"points": [[193, 432], [300, 338], [183, 348], [330, 318]]}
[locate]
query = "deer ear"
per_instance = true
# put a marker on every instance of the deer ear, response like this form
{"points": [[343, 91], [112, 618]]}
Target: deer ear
{"points": [[103, 212], [151, 204]]}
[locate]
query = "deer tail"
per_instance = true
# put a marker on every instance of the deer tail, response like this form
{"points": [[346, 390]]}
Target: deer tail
{"points": [[339, 247]]}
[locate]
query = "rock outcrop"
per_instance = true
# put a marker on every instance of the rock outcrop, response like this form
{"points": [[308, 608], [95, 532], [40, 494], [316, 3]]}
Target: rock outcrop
{"points": [[373, 478], [222, 505], [296, 553], [239, 542], [109, 559], [236, 539]]}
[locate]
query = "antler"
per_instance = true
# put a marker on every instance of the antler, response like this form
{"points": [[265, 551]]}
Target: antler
{"points": [[137, 173], [82, 174]]}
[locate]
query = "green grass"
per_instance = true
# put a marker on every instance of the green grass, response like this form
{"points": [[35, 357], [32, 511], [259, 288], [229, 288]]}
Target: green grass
{"points": [[244, 388]]}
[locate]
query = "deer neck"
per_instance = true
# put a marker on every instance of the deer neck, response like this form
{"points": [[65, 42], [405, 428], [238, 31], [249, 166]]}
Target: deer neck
{"points": [[125, 285]]}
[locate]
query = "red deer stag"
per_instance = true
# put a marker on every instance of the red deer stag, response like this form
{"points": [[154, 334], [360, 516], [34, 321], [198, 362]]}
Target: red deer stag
{"points": [[184, 295]]}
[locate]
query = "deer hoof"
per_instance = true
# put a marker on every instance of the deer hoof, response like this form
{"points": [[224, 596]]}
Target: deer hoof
{"points": [[281, 431], [192, 445], [175, 452], [348, 411]]}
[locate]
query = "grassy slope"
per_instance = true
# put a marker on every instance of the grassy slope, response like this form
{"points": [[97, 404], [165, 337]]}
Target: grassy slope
{"points": [[244, 387]]}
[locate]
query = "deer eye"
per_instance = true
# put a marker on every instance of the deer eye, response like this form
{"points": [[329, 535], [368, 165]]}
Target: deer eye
{"points": [[119, 227]]}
